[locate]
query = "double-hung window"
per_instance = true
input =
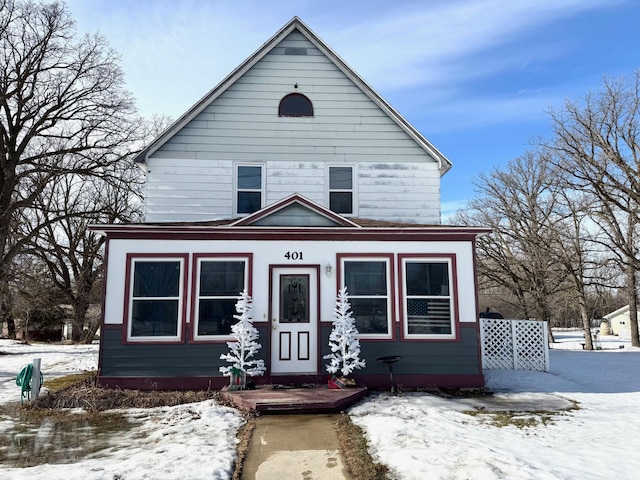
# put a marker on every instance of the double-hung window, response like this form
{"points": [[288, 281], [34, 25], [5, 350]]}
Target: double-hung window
{"points": [[428, 305], [249, 188], [155, 307], [368, 286], [341, 190], [220, 280]]}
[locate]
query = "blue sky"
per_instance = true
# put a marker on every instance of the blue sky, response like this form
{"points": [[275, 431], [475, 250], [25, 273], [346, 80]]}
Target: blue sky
{"points": [[476, 77]]}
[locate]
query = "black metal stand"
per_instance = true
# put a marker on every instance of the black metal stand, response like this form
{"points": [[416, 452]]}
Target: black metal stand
{"points": [[390, 360]]}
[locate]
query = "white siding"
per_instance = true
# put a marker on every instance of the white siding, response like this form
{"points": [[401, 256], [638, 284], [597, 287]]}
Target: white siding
{"points": [[266, 253], [190, 177]]}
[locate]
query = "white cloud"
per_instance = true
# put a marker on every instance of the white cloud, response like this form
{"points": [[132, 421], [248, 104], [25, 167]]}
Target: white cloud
{"points": [[174, 52], [424, 43]]}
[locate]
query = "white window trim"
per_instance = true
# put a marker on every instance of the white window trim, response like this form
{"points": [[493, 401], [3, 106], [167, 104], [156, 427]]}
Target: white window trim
{"points": [[389, 297], [196, 306], [181, 292], [354, 189], [263, 184], [405, 316]]}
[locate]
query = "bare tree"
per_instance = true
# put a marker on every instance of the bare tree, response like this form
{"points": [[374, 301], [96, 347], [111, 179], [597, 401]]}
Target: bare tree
{"points": [[72, 253], [578, 249], [519, 203], [34, 299], [597, 144], [63, 110]]}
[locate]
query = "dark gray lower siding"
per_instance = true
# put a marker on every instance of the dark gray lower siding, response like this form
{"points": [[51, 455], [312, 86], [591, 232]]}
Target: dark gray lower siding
{"points": [[438, 358], [155, 360], [424, 364]]}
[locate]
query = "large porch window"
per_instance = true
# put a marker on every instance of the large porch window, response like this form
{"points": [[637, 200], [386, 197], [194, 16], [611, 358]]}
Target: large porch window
{"points": [[219, 283], [154, 311], [428, 303], [368, 282]]}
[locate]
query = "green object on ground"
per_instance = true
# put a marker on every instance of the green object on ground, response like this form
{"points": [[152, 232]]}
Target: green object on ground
{"points": [[24, 380]]}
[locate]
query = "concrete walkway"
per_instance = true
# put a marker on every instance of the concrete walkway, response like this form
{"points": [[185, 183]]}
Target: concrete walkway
{"points": [[300, 447]]}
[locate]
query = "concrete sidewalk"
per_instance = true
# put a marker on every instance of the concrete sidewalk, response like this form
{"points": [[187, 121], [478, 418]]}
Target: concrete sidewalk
{"points": [[303, 447]]}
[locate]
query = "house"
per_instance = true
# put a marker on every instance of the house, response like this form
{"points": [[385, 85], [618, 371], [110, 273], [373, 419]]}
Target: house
{"points": [[291, 178], [92, 318], [620, 321]]}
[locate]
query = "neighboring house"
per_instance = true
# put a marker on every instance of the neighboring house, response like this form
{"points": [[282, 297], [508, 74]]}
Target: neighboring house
{"points": [[620, 322], [92, 317], [290, 179]]}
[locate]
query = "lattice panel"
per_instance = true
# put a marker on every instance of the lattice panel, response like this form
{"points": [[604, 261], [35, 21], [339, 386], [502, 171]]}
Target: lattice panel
{"points": [[497, 344], [531, 346], [514, 344]]}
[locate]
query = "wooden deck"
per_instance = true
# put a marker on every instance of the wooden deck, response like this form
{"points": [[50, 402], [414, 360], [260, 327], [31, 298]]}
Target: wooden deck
{"points": [[275, 399]]}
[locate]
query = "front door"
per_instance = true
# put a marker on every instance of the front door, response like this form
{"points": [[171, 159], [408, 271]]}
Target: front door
{"points": [[294, 320]]}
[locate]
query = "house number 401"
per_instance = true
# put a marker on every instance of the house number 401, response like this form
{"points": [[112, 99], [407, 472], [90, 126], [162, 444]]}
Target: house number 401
{"points": [[293, 255]]}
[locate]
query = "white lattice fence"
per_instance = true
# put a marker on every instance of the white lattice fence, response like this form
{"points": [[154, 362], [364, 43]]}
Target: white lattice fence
{"points": [[514, 344]]}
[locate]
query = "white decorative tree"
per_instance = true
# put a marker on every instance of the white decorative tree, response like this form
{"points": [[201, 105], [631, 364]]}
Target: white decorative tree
{"points": [[245, 345], [344, 343]]}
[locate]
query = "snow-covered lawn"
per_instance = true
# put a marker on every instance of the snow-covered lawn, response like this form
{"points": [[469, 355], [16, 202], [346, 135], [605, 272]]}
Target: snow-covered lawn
{"points": [[192, 441], [418, 436], [425, 437]]}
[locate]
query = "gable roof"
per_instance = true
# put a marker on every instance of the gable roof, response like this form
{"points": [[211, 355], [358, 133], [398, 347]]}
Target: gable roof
{"points": [[304, 213], [622, 310], [444, 164]]}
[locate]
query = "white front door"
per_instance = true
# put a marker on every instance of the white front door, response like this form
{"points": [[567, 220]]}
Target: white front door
{"points": [[294, 320]]}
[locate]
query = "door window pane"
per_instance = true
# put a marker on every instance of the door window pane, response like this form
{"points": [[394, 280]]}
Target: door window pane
{"points": [[294, 298]]}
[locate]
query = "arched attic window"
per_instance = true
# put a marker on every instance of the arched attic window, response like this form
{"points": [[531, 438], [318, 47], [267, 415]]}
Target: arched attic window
{"points": [[295, 105]]}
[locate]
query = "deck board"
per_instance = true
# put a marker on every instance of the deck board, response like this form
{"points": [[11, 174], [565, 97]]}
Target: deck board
{"points": [[270, 399]]}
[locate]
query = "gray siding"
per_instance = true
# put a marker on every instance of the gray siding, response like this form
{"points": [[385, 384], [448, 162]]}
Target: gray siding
{"points": [[144, 360], [420, 358], [191, 176], [203, 360], [295, 216]]}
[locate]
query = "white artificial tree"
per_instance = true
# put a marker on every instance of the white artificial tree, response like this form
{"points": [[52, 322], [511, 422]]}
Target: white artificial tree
{"points": [[245, 345], [343, 341]]}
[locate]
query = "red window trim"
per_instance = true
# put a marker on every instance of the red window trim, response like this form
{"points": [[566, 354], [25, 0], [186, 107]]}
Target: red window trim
{"points": [[391, 336], [248, 257], [182, 322], [454, 293]]}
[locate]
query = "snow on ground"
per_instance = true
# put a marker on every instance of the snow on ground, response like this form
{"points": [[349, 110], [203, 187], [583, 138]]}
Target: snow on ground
{"points": [[426, 437], [57, 361], [192, 441], [419, 436]]}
